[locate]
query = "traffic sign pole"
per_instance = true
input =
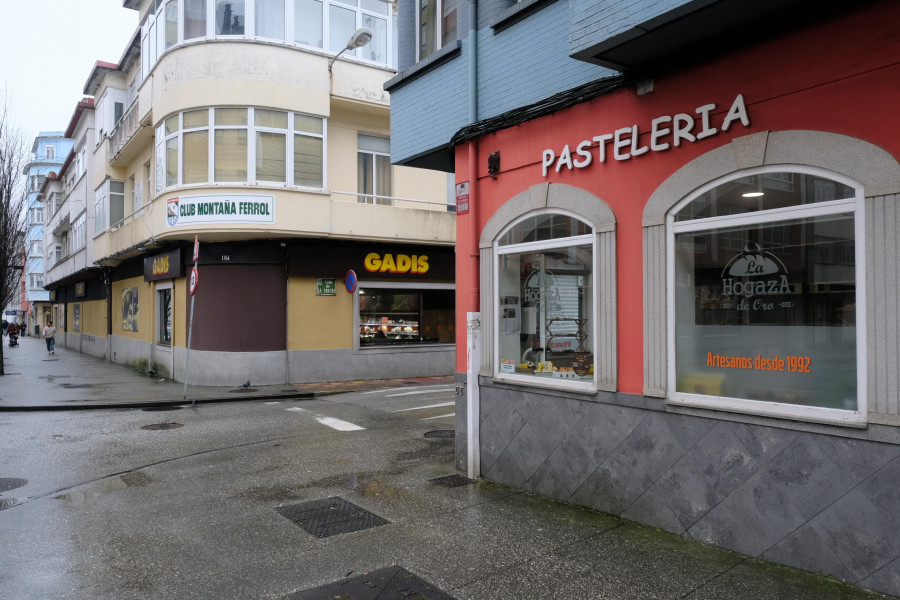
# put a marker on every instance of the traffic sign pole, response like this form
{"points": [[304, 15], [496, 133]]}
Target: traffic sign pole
{"points": [[194, 280]]}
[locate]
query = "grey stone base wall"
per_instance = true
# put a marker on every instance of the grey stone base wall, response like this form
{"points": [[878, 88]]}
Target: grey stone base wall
{"points": [[375, 363], [272, 368], [819, 502]]}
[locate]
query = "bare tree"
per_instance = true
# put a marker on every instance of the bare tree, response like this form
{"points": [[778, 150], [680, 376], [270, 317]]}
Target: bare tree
{"points": [[12, 210]]}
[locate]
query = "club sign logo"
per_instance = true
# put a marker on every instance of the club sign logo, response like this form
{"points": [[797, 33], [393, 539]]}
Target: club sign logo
{"points": [[172, 211]]}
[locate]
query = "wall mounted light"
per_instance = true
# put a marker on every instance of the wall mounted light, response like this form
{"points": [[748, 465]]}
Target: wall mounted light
{"points": [[494, 164], [360, 38]]}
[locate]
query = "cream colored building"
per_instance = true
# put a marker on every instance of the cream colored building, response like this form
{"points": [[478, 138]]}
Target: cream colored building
{"points": [[233, 123]]}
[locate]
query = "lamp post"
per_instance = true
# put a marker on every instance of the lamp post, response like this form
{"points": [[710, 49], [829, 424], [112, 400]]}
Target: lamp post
{"points": [[360, 38]]}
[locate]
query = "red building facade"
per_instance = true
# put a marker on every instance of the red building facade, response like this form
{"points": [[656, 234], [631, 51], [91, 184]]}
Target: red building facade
{"points": [[687, 296]]}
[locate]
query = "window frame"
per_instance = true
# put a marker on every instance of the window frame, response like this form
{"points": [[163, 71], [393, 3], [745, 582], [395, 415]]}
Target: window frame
{"points": [[856, 206], [154, 41], [371, 159], [537, 246], [439, 27], [251, 129], [412, 286]]}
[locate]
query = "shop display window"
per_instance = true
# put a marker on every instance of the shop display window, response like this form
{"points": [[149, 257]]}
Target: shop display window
{"points": [[764, 296], [545, 303], [399, 316]]}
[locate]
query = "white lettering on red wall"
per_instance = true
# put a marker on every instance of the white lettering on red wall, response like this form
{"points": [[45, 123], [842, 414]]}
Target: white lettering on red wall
{"points": [[665, 132]]}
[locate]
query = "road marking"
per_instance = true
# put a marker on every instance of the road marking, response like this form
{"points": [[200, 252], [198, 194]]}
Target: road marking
{"points": [[440, 385], [338, 424], [439, 417], [272, 403], [423, 407], [420, 392], [296, 409]]}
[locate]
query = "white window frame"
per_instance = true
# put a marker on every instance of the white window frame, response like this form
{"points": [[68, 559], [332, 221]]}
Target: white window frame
{"points": [[773, 409], [439, 27], [580, 240], [161, 286], [251, 130], [50, 151], [154, 21], [373, 197], [79, 231]]}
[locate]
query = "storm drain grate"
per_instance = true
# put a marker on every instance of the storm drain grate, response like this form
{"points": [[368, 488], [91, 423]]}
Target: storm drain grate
{"points": [[10, 483], [72, 386], [157, 426], [330, 516], [452, 481], [160, 408], [391, 583], [243, 390], [441, 433]]}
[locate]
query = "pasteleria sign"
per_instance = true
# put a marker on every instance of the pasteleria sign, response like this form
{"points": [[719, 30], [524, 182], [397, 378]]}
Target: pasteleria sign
{"points": [[666, 131], [220, 208]]}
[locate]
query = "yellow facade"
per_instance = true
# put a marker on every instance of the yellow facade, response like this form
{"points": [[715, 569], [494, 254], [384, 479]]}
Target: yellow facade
{"points": [[318, 322]]}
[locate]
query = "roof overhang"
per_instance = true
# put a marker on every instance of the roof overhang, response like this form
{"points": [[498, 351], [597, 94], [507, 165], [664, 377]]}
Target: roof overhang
{"points": [[700, 28], [83, 105]]}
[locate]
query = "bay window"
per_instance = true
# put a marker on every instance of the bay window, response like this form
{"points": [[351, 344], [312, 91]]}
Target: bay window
{"points": [[764, 300], [326, 24], [241, 145]]}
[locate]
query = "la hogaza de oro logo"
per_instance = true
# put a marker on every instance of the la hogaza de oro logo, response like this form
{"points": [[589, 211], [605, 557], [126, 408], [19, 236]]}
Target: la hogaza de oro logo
{"points": [[754, 273]]}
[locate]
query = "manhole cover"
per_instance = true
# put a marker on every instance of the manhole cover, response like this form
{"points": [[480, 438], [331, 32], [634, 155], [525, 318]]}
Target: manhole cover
{"points": [[330, 516], [162, 426], [452, 481], [441, 433], [160, 408], [10, 483], [391, 583], [243, 390]]}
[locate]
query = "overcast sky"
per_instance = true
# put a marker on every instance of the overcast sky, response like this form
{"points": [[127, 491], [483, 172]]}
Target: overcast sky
{"points": [[47, 51]]}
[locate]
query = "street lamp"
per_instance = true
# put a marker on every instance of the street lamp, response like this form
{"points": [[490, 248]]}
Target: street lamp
{"points": [[360, 38]]}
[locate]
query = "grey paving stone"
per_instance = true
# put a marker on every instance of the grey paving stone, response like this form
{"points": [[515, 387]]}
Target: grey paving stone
{"points": [[806, 550], [860, 537]]}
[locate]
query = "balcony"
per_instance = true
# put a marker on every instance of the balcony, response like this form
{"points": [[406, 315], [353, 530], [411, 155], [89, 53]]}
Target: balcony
{"points": [[128, 137]]}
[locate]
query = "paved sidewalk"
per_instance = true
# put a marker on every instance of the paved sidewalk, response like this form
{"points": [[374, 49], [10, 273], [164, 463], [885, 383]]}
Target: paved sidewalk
{"points": [[36, 380]]}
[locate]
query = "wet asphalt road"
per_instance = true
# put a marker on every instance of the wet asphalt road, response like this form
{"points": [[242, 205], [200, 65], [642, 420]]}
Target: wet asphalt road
{"points": [[188, 508]]}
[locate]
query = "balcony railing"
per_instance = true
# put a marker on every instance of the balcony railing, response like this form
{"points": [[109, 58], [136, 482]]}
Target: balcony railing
{"points": [[394, 201], [125, 129]]}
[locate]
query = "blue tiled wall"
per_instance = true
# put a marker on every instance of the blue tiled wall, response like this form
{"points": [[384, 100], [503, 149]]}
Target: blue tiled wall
{"points": [[593, 21], [517, 66]]}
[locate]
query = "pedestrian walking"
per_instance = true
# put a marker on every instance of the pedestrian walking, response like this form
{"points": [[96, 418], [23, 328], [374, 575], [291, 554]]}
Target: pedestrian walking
{"points": [[50, 337]]}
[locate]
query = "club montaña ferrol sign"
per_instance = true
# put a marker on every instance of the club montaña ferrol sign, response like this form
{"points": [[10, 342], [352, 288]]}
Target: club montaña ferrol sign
{"points": [[665, 132]]}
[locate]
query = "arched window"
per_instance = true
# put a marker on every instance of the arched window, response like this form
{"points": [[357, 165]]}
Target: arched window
{"points": [[545, 299], [763, 295]]}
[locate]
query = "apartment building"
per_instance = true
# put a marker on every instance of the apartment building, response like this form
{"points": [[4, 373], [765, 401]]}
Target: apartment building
{"points": [[76, 283], [677, 232], [261, 130], [48, 152]]}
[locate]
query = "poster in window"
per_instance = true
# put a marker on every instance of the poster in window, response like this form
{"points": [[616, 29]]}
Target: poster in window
{"points": [[130, 309], [76, 317], [509, 314]]}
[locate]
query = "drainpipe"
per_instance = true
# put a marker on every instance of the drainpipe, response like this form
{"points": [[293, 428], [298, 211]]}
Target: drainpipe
{"points": [[473, 325]]}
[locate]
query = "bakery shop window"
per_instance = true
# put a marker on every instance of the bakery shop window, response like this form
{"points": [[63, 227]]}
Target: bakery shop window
{"points": [[399, 316], [763, 297], [545, 301]]}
